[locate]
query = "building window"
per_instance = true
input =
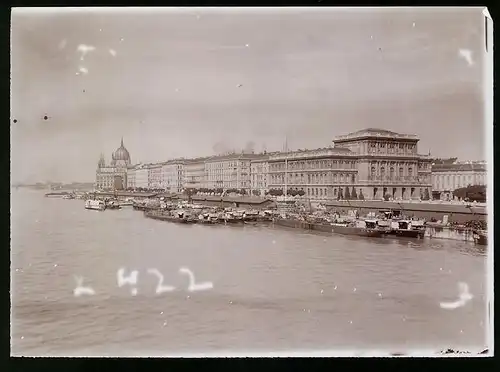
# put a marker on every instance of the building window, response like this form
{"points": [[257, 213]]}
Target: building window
{"points": [[401, 172], [373, 171], [391, 173], [382, 171]]}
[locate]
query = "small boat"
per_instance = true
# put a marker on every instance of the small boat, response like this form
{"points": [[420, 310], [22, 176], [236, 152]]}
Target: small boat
{"points": [[113, 204], [394, 224], [366, 228], [206, 221], [139, 206], [232, 217], [208, 218], [68, 196], [250, 216], [238, 216], [96, 205], [127, 203], [404, 228]]}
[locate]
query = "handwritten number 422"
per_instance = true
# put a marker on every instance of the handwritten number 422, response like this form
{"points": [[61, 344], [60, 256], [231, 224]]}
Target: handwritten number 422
{"points": [[132, 281]]}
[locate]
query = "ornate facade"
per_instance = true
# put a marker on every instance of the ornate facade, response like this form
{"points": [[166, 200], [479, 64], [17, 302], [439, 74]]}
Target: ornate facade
{"points": [[259, 171], [154, 176], [320, 173], [194, 173], [367, 164], [142, 176], [446, 178], [113, 176], [388, 163], [370, 163], [229, 171], [173, 175]]}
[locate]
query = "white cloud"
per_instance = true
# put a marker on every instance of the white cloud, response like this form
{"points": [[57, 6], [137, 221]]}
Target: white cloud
{"points": [[112, 52], [83, 70]]}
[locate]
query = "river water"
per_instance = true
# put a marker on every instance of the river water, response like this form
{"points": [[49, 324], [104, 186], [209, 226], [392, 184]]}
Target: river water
{"points": [[274, 289]]}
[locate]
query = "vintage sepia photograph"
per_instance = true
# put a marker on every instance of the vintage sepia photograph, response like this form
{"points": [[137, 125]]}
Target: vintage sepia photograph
{"points": [[251, 182]]}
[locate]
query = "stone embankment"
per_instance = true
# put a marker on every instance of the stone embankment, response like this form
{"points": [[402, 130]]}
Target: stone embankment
{"points": [[456, 212]]}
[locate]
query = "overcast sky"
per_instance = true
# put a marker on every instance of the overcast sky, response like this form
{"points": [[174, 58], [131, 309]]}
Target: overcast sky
{"points": [[193, 82]]}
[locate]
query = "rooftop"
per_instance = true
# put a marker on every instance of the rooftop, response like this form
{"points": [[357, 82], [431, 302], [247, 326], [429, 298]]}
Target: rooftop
{"points": [[460, 167], [374, 132], [235, 156], [196, 160], [324, 151]]}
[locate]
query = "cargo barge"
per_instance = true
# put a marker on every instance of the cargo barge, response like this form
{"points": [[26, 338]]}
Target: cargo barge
{"points": [[367, 228]]}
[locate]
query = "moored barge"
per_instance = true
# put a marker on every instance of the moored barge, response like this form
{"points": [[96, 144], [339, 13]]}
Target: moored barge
{"points": [[367, 228], [169, 218]]}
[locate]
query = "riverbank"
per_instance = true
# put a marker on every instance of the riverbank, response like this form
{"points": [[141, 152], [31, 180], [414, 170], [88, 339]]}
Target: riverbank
{"points": [[447, 233], [223, 218], [467, 233], [458, 213]]}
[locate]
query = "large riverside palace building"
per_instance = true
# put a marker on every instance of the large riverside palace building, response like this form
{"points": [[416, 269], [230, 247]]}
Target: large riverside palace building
{"points": [[113, 176], [372, 162]]}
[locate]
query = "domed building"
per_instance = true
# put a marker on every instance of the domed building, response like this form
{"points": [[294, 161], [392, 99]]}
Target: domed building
{"points": [[121, 157], [114, 175]]}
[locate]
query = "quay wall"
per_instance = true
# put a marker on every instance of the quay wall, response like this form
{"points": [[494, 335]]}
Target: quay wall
{"points": [[122, 195], [254, 203], [293, 223], [465, 235], [449, 233], [459, 213]]}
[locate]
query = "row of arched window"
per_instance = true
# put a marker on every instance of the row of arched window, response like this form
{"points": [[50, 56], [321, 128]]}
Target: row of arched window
{"points": [[391, 171]]}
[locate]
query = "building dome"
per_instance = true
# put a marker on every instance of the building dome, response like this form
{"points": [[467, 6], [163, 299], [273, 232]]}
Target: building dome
{"points": [[121, 156]]}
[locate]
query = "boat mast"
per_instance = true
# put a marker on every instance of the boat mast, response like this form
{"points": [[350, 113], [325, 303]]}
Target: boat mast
{"points": [[286, 168], [286, 174]]}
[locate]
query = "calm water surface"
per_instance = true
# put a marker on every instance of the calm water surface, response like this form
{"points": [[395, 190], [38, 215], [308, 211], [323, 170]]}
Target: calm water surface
{"points": [[274, 289]]}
